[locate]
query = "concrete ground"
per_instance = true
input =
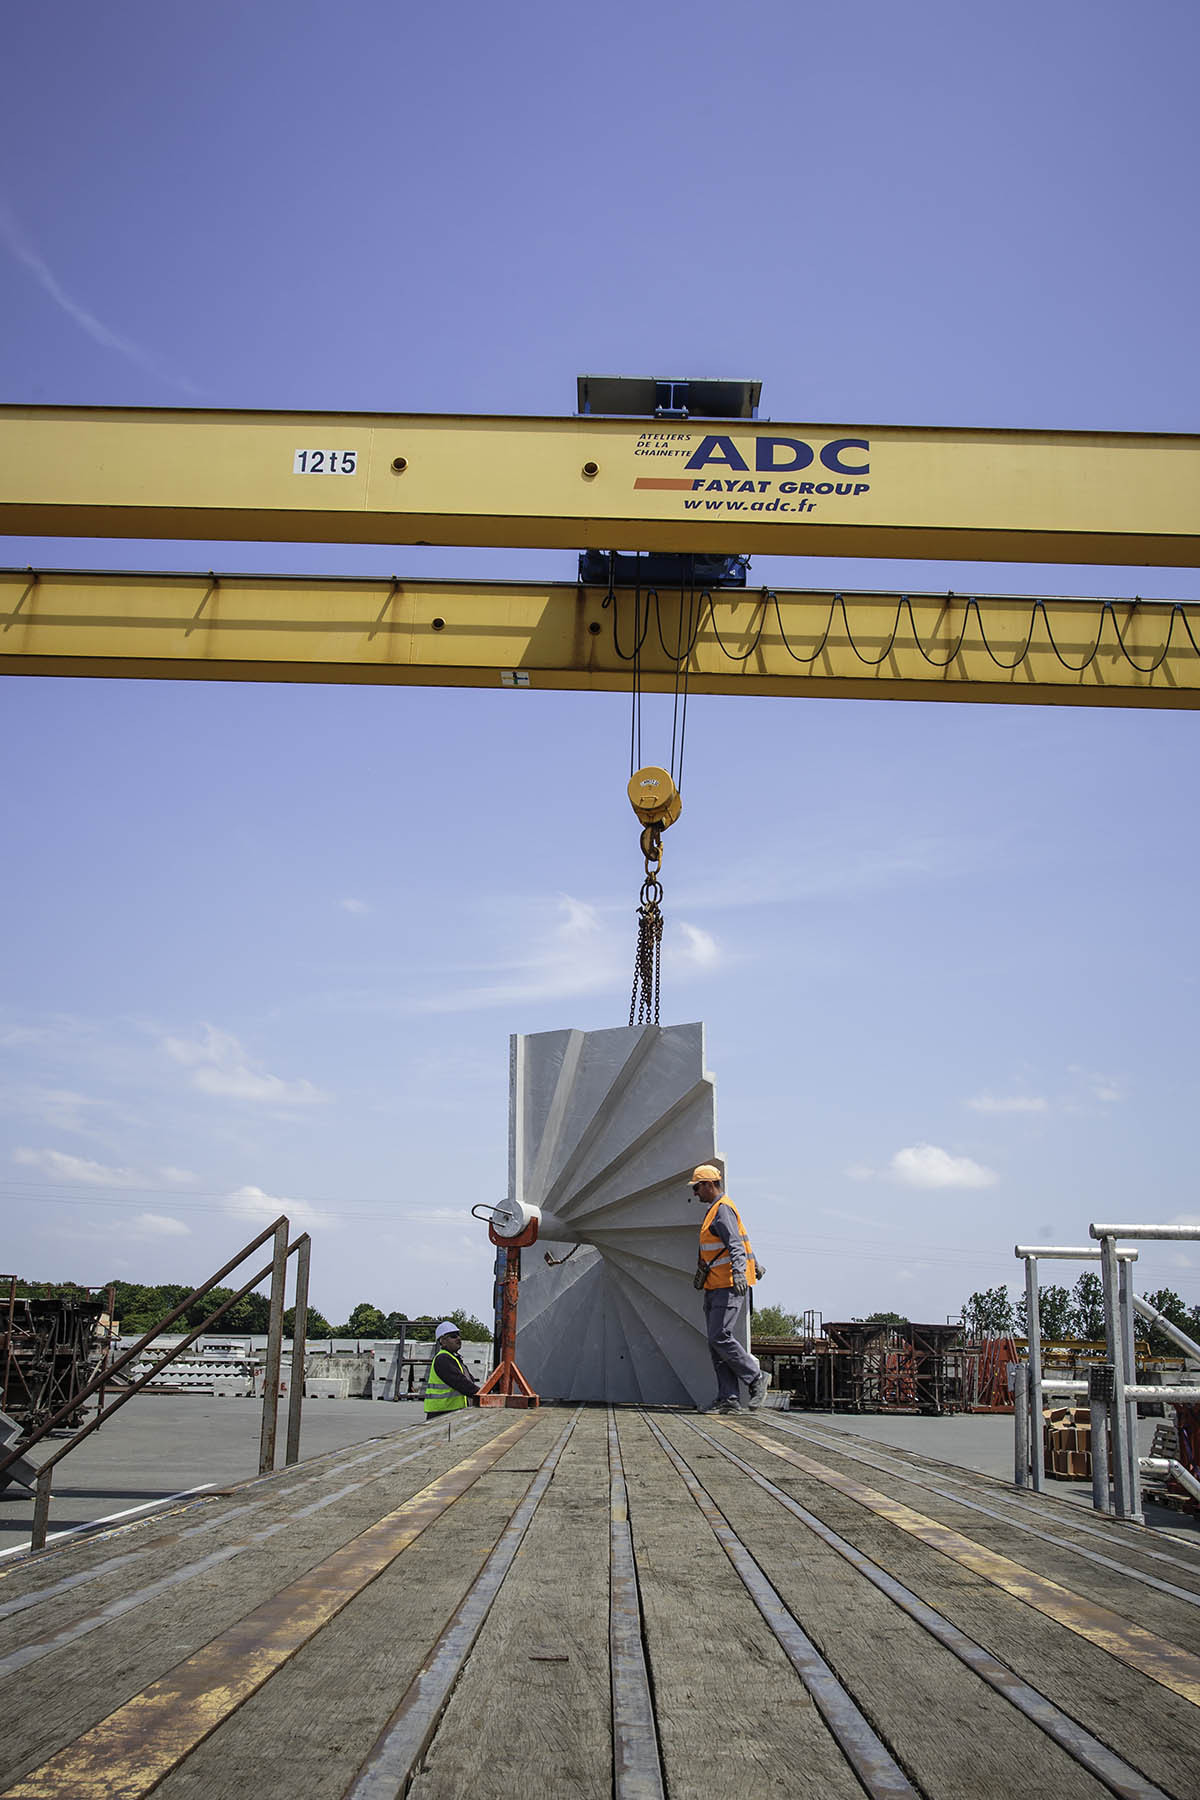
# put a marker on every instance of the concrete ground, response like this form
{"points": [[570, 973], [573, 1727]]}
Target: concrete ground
{"points": [[165, 1444]]}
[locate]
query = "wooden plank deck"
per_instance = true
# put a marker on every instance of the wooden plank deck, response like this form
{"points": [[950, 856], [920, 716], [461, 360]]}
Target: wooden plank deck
{"points": [[578, 1602]]}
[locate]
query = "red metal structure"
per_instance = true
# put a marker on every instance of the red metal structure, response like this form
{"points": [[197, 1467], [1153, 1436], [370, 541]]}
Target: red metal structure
{"points": [[506, 1386]]}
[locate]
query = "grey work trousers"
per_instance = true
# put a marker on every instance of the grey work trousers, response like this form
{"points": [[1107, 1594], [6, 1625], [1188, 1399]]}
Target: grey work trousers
{"points": [[730, 1358]]}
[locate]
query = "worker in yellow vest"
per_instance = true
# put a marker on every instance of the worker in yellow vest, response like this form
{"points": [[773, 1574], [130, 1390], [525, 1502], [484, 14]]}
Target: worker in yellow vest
{"points": [[449, 1387], [726, 1270]]}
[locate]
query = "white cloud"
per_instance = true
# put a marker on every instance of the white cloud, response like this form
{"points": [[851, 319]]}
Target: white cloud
{"points": [[1008, 1103], [699, 947], [258, 1208], [158, 1225], [574, 952], [78, 1168], [60, 1108], [20, 247], [861, 1172], [177, 1177], [354, 906], [221, 1066], [928, 1166]]}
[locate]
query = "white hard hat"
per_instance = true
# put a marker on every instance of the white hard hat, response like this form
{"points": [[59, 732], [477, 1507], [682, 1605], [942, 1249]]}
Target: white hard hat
{"points": [[445, 1328]]}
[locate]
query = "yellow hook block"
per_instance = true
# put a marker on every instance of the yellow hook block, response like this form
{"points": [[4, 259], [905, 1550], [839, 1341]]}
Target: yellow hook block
{"points": [[654, 797]]}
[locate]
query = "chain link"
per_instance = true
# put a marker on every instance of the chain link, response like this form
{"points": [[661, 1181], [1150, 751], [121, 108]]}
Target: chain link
{"points": [[644, 999]]}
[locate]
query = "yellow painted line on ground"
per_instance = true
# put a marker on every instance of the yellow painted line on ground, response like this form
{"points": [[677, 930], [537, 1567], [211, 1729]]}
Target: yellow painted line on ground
{"points": [[127, 1754], [1166, 1663]]}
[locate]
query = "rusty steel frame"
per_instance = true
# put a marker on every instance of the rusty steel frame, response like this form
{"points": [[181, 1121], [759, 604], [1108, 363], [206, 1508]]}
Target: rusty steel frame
{"points": [[279, 1232]]}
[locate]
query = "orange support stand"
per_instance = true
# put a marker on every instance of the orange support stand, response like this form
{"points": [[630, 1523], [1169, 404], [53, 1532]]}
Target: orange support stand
{"points": [[506, 1386]]}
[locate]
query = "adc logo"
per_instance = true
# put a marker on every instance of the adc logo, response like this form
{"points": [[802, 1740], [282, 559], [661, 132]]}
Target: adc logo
{"points": [[779, 455]]}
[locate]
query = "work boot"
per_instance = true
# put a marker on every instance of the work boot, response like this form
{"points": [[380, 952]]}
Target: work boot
{"points": [[758, 1389], [729, 1406]]}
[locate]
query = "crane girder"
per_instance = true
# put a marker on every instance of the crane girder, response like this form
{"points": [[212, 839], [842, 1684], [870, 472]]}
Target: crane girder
{"points": [[559, 635], [684, 485]]}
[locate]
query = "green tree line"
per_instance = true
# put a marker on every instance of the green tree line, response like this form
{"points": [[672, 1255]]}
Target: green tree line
{"points": [[1075, 1315], [139, 1307]]}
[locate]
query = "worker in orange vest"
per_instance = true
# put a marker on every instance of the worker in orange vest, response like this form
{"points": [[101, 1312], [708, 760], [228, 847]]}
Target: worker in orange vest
{"points": [[726, 1270]]}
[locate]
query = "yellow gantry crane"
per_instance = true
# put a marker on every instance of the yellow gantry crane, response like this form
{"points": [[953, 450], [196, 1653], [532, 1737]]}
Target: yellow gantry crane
{"points": [[684, 484]]}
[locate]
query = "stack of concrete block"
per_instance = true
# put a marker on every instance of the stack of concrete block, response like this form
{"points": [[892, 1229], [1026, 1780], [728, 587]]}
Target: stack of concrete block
{"points": [[196, 1374]]}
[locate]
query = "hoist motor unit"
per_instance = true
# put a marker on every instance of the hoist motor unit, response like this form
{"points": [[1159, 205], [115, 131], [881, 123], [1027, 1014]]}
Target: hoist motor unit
{"points": [[654, 797]]}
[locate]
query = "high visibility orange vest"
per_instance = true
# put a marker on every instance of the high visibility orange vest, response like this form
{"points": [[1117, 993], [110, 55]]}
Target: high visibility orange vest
{"points": [[715, 1255]]}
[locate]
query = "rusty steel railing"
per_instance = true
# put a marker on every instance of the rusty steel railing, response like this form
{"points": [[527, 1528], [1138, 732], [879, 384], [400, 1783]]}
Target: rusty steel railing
{"points": [[277, 1270]]}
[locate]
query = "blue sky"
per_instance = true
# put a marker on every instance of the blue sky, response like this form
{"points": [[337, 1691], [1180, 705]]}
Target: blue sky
{"points": [[943, 952]]}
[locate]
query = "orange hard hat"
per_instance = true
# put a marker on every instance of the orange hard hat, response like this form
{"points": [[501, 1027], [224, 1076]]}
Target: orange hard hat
{"points": [[706, 1172]]}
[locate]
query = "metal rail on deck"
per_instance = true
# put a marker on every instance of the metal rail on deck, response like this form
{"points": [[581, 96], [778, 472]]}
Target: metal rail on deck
{"points": [[873, 1763], [1174, 1668], [921, 1478], [404, 1740], [1116, 1775], [637, 1760], [132, 1750], [58, 1639]]}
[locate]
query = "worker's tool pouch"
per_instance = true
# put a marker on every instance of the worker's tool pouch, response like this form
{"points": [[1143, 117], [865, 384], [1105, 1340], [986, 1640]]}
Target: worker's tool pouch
{"points": [[700, 1278]]}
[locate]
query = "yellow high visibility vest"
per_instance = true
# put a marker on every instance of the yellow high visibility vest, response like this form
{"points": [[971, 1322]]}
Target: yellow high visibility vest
{"points": [[438, 1397], [715, 1255]]}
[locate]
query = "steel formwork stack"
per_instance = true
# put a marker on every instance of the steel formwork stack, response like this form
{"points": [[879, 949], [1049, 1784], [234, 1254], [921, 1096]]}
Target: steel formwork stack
{"points": [[49, 1347], [862, 1365]]}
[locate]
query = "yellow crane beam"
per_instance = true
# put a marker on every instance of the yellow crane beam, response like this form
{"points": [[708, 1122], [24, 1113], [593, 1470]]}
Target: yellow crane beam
{"points": [[558, 635], [722, 485]]}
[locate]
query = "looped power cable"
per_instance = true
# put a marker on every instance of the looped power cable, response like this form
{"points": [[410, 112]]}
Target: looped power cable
{"points": [[703, 616]]}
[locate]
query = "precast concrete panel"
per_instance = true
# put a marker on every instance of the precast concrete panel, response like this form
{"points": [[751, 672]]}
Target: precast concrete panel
{"points": [[605, 1128]]}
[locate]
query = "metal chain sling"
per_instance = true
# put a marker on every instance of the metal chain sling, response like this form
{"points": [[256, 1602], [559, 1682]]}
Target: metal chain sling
{"points": [[644, 999]]}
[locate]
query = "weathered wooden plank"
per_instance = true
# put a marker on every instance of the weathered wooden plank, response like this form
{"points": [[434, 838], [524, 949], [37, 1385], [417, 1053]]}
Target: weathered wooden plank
{"points": [[308, 1730], [1152, 1728], [733, 1717], [1014, 1533], [953, 1733], [52, 1702], [531, 1715]]}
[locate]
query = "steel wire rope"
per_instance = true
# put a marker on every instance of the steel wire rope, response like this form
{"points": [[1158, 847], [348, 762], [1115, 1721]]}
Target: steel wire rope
{"points": [[677, 659], [698, 608], [685, 644]]}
